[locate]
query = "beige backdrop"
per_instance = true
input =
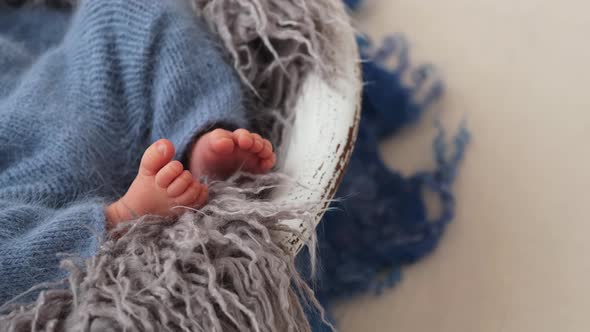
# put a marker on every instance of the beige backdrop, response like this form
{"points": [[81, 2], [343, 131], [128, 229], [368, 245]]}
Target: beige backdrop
{"points": [[516, 258]]}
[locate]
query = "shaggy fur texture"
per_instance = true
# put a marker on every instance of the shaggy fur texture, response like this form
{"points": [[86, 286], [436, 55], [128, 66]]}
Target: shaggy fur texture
{"points": [[216, 269], [274, 45]]}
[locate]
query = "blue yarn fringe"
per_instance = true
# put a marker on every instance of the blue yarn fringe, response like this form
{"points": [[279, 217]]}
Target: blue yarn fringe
{"points": [[381, 223], [352, 4]]}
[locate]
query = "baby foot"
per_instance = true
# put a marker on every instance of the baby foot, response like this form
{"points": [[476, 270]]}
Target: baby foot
{"points": [[220, 153], [161, 183]]}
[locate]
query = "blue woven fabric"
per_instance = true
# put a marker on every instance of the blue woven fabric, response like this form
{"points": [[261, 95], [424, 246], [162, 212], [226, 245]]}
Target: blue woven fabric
{"points": [[381, 223], [81, 98], [353, 4]]}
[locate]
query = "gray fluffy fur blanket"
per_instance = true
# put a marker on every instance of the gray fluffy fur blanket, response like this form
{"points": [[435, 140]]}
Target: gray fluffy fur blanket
{"points": [[216, 269]]}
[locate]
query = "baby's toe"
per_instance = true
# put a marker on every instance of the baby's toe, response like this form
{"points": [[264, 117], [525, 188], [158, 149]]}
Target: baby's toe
{"points": [[191, 196], [221, 141], [169, 173], [266, 151], [267, 164], [155, 157], [180, 184], [243, 139], [203, 195], [258, 143]]}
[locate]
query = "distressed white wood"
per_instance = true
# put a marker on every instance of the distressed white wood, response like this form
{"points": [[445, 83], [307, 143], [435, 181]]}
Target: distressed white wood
{"points": [[322, 137]]}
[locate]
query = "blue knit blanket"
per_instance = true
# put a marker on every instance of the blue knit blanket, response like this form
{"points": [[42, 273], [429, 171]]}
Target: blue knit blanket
{"points": [[80, 99]]}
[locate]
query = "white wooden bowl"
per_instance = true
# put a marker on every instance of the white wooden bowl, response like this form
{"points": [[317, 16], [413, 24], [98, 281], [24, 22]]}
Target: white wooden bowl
{"points": [[322, 137]]}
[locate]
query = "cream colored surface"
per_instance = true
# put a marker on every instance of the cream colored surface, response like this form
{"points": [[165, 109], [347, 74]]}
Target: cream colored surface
{"points": [[517, 256]]}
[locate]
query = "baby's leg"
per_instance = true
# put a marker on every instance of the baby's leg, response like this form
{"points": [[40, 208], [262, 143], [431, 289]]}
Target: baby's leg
{"points": [[160, 185]]}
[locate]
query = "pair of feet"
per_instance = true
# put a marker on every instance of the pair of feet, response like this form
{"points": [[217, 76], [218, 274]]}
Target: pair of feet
{"points": [[162, 183]]}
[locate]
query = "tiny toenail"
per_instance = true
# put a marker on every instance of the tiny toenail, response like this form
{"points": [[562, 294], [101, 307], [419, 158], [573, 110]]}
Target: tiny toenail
{"points": [[161, 148]]}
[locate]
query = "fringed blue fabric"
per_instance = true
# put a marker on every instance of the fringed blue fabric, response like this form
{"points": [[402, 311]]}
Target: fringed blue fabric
{"points": [[352, 4], [381, 223]]}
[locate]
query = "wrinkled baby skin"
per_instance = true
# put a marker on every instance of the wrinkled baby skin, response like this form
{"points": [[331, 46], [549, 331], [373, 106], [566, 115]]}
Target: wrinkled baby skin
{"points": [[162, 183]]}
